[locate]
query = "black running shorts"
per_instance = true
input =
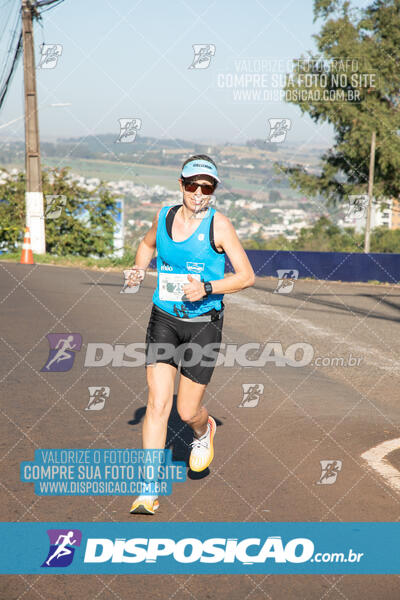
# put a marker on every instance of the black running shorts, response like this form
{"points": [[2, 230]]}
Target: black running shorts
{"points": [[193, 346]]}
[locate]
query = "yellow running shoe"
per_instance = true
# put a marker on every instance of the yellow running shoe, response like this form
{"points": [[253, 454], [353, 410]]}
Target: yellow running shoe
{"points": [[202, 448], [144, 505]]}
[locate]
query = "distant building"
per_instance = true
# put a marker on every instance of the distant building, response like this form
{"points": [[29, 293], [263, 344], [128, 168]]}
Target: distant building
{"points": [[395, 223], [273, 230], [381, 216], [254, 205]]}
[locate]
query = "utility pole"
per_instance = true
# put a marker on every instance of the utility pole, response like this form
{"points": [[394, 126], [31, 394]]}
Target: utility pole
{"points": [[33, 194], [370, 193]]}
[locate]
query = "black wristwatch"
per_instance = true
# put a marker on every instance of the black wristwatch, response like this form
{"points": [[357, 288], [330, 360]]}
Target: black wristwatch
{"points": [[207, 288]]}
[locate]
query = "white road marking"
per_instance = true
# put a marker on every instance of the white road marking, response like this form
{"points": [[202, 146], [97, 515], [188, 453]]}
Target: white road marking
{"points": [[385, 362], [377, 461]]}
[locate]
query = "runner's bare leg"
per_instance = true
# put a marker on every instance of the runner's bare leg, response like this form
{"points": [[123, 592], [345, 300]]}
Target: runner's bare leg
{"points": [[190, 396], [160, 380]]}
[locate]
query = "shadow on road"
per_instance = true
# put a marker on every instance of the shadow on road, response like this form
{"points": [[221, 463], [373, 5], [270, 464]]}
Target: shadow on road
{"points": [[343, 306], [102, 284]]}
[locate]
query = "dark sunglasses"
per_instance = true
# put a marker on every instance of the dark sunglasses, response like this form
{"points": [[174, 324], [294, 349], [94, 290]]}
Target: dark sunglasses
{"points": [[206, 189]]}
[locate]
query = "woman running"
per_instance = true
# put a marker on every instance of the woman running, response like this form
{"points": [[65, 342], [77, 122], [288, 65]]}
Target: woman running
{"points": [[191, 240]]}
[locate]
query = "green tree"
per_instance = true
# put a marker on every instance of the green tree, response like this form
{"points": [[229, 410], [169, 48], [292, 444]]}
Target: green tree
{"points": [[369, 39], [12, 210], [85, 226], [279, 242], [325, 236], [274, 196], [385, 240], [257, 242]]}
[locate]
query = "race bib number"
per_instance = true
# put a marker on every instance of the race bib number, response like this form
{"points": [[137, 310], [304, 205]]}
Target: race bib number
{"points": [[171, 286]]}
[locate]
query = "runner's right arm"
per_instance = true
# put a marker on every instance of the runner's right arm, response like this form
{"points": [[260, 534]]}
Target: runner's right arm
{"points": [[146, 247]]}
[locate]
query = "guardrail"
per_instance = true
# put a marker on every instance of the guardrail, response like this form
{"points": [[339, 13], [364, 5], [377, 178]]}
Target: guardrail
{"points": [[332, 266]]}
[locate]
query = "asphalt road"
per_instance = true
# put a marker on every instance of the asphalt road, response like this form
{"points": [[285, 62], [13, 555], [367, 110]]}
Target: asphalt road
{"points": [[344, 402]]}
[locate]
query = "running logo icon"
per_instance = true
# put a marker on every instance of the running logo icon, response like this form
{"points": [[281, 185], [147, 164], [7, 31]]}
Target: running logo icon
{"points": [[251, 394], [62, 550], [287, 278], [203, 212], [329, 471], [357, 207], [62, 351], [203, 54], [128, 130], [49, 55], [54, 206], [278, 129], [97, 397]]}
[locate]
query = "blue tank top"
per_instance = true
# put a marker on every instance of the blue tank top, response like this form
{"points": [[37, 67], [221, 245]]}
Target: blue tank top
{"points": [[176, 260]]}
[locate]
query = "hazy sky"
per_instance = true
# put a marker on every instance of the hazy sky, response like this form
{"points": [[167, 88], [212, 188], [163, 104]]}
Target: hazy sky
{"points": [[127, 58]]}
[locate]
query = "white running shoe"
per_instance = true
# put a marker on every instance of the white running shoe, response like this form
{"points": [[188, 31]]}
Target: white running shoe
{"points": [[203, 448]]}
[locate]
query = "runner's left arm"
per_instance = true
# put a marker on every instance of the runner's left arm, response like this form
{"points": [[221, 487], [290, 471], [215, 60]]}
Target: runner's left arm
{"points": [[226, 237]]}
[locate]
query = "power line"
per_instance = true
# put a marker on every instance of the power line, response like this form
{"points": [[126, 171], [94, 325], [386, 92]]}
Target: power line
{"points": [[4, 89], [7, 73], [15, 32], [14, 48], [48, 2]]}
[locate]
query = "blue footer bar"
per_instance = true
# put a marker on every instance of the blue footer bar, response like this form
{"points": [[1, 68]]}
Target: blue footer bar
{"points": [[234, 548]]}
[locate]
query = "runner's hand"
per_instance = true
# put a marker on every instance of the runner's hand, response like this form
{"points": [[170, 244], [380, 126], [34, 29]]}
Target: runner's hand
{"points": [[194, 290], [135, 275]]}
